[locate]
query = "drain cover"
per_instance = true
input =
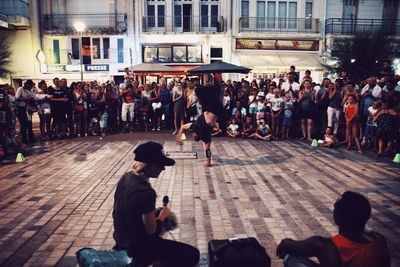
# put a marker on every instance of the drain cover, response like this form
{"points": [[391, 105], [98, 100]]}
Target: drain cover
{"points": [[182, 155]]}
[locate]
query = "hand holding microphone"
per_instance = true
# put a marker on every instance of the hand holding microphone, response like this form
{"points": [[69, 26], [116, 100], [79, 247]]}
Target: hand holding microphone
{"points": [[167, 217]]}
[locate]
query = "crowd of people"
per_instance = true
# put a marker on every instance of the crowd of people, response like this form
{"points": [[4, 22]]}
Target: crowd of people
{"points": [[332, 111]]}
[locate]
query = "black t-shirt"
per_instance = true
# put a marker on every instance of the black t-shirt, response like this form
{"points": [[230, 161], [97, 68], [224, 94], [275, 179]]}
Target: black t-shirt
{"points": [[133, 198], [58, 94], [202, 129]]}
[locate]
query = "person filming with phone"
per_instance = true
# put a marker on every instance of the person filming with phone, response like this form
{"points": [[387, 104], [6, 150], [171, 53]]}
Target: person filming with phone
{"points": [[137, 222]]}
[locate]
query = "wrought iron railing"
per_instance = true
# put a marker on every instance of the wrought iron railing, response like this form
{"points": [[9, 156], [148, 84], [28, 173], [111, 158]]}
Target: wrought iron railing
{"points": [[3, 18], [14, 8], [183, 24], [273, 24], [368, 26], [112, 23]]}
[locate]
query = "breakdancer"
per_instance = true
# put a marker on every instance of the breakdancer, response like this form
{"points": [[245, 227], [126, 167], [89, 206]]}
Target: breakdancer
{"points": [[203, 127]]}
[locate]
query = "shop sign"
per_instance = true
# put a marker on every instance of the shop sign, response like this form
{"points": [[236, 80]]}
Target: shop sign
{"points": [[55, 68], [97, 67], [274, 44]]}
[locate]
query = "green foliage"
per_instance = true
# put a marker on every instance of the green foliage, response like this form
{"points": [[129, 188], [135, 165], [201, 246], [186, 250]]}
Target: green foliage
{"points": [[5, 55], [362, 55]]}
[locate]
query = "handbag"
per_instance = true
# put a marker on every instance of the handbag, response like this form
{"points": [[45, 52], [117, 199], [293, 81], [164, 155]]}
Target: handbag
{"points": [[237, 252]]}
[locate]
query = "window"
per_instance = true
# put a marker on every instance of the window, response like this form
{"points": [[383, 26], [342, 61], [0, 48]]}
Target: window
{"points": [[172, 54], [260, 14], [209, 14], [282, 14], [56, 51], [150, 54], [75, 48], [179, 53], [245, 14], [106, 48], [309, 8], [292, 15], [120, 47], [194, 54], [271, 10], [96, 48], [155, 13], [216, 52], [177, 16], [164, 55]]}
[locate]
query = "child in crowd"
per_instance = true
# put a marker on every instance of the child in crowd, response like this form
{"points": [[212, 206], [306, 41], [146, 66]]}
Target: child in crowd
{"points": [[260, 115], [276, 112], [233, 129], [252, 103], [329, 139], [370, 130], [263, 132], [103, 117], [248, 128], [351, 116], [287, 109]]}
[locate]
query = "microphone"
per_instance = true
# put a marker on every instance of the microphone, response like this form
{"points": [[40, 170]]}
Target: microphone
{"points": [[165, 201]]}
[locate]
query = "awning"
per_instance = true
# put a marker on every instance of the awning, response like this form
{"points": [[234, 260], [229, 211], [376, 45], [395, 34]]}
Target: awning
{"points": [[281, 62]]}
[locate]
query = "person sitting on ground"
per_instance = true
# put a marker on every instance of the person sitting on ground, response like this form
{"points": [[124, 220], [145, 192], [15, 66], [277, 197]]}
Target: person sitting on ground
{"points": [[137, 228], [329, 138], [351, 247], [233, 129], [263, 131], [248, 128]]}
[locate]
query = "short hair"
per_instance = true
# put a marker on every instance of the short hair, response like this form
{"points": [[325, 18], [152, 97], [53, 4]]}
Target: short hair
{"points": [[353, 210], [308, 71], [292, 67]]}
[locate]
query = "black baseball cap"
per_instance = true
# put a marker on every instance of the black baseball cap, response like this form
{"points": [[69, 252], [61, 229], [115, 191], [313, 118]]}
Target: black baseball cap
{"points": [[152, 152]]}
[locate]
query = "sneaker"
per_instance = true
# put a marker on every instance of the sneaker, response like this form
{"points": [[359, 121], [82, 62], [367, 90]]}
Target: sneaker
{"points": [[158, 129], [153, 129]]}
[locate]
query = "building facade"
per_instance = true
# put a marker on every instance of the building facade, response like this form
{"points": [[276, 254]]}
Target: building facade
{"points": [[267, 36]]}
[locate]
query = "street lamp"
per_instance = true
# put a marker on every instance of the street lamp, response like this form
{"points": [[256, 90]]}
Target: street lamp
{"points": [[80, 27]]}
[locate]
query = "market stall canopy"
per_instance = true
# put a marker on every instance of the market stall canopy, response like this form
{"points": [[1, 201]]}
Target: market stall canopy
{"points": [[155, 69], [220, 67]]}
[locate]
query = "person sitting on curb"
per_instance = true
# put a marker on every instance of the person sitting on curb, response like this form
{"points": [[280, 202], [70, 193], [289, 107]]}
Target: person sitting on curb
{"points": [[137, 223], [351, 247]]}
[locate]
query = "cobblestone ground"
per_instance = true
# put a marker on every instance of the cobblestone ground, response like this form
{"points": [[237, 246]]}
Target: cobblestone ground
{"points": [[60, 199]]}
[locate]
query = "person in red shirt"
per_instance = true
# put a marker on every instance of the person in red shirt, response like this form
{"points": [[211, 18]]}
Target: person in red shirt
{"points": [[351, 116], [351, 247]]}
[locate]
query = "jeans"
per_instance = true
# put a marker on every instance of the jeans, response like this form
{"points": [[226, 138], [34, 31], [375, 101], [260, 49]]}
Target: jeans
{"points": [[297, 261], [127, 108], [25, 125], [168, 252], [333, 111], [45, 127]]}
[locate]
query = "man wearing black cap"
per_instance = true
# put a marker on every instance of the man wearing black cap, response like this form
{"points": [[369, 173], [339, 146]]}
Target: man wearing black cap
{"points": [[137, 223], [203, 127]]}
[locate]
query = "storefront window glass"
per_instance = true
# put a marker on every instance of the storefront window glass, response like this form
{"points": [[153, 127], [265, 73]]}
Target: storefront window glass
{"points": [[150, 54], [194, 54], [164, 54], [179, 54]]}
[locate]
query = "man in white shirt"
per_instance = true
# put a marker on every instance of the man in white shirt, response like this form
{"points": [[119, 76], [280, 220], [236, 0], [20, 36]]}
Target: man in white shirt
{"points": [[376, 89], [290, 85]]}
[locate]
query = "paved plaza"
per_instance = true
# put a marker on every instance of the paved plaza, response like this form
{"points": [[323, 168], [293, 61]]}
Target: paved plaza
{"points": [[61, 198]]}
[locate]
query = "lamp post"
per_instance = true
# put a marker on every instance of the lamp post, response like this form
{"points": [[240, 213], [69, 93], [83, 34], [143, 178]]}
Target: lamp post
{"points": [[80, 27]]}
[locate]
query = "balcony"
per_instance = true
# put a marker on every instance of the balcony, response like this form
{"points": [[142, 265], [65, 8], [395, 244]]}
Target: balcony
{"points": [[3, 21], [17, 11], [279, 25], [365, 26], [114, 23], [181, 24]]}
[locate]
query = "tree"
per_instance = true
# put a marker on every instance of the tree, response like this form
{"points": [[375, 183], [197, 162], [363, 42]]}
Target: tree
{"points": [[362, 55], [5, 55]]}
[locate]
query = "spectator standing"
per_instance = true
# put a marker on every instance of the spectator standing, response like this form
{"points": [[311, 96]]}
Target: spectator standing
{"points": [[275, 106], [306, 109], [369, 94], [386, 123], [44, 111], [334, 107], [58, 98], [179, 106], [25, 99], [287, 109], [128, 106], [80, 105], [351, 116], [166, 100]]}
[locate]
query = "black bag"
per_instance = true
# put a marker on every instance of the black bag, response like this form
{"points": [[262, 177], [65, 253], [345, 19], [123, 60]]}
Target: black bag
{"points": [[237, 253]]}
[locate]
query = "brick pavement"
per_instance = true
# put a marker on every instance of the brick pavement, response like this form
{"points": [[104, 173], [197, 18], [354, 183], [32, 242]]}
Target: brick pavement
{"points": [[61, 199]]}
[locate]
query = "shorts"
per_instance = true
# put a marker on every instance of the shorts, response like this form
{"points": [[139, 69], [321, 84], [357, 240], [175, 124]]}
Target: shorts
{"points": [[259, 116], [275, 112], [307, 114], [252, 110], [286, 121], [202, 129]]}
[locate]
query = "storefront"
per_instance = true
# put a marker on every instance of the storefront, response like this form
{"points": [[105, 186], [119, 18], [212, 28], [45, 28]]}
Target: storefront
{"points": [[272, 58]]}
